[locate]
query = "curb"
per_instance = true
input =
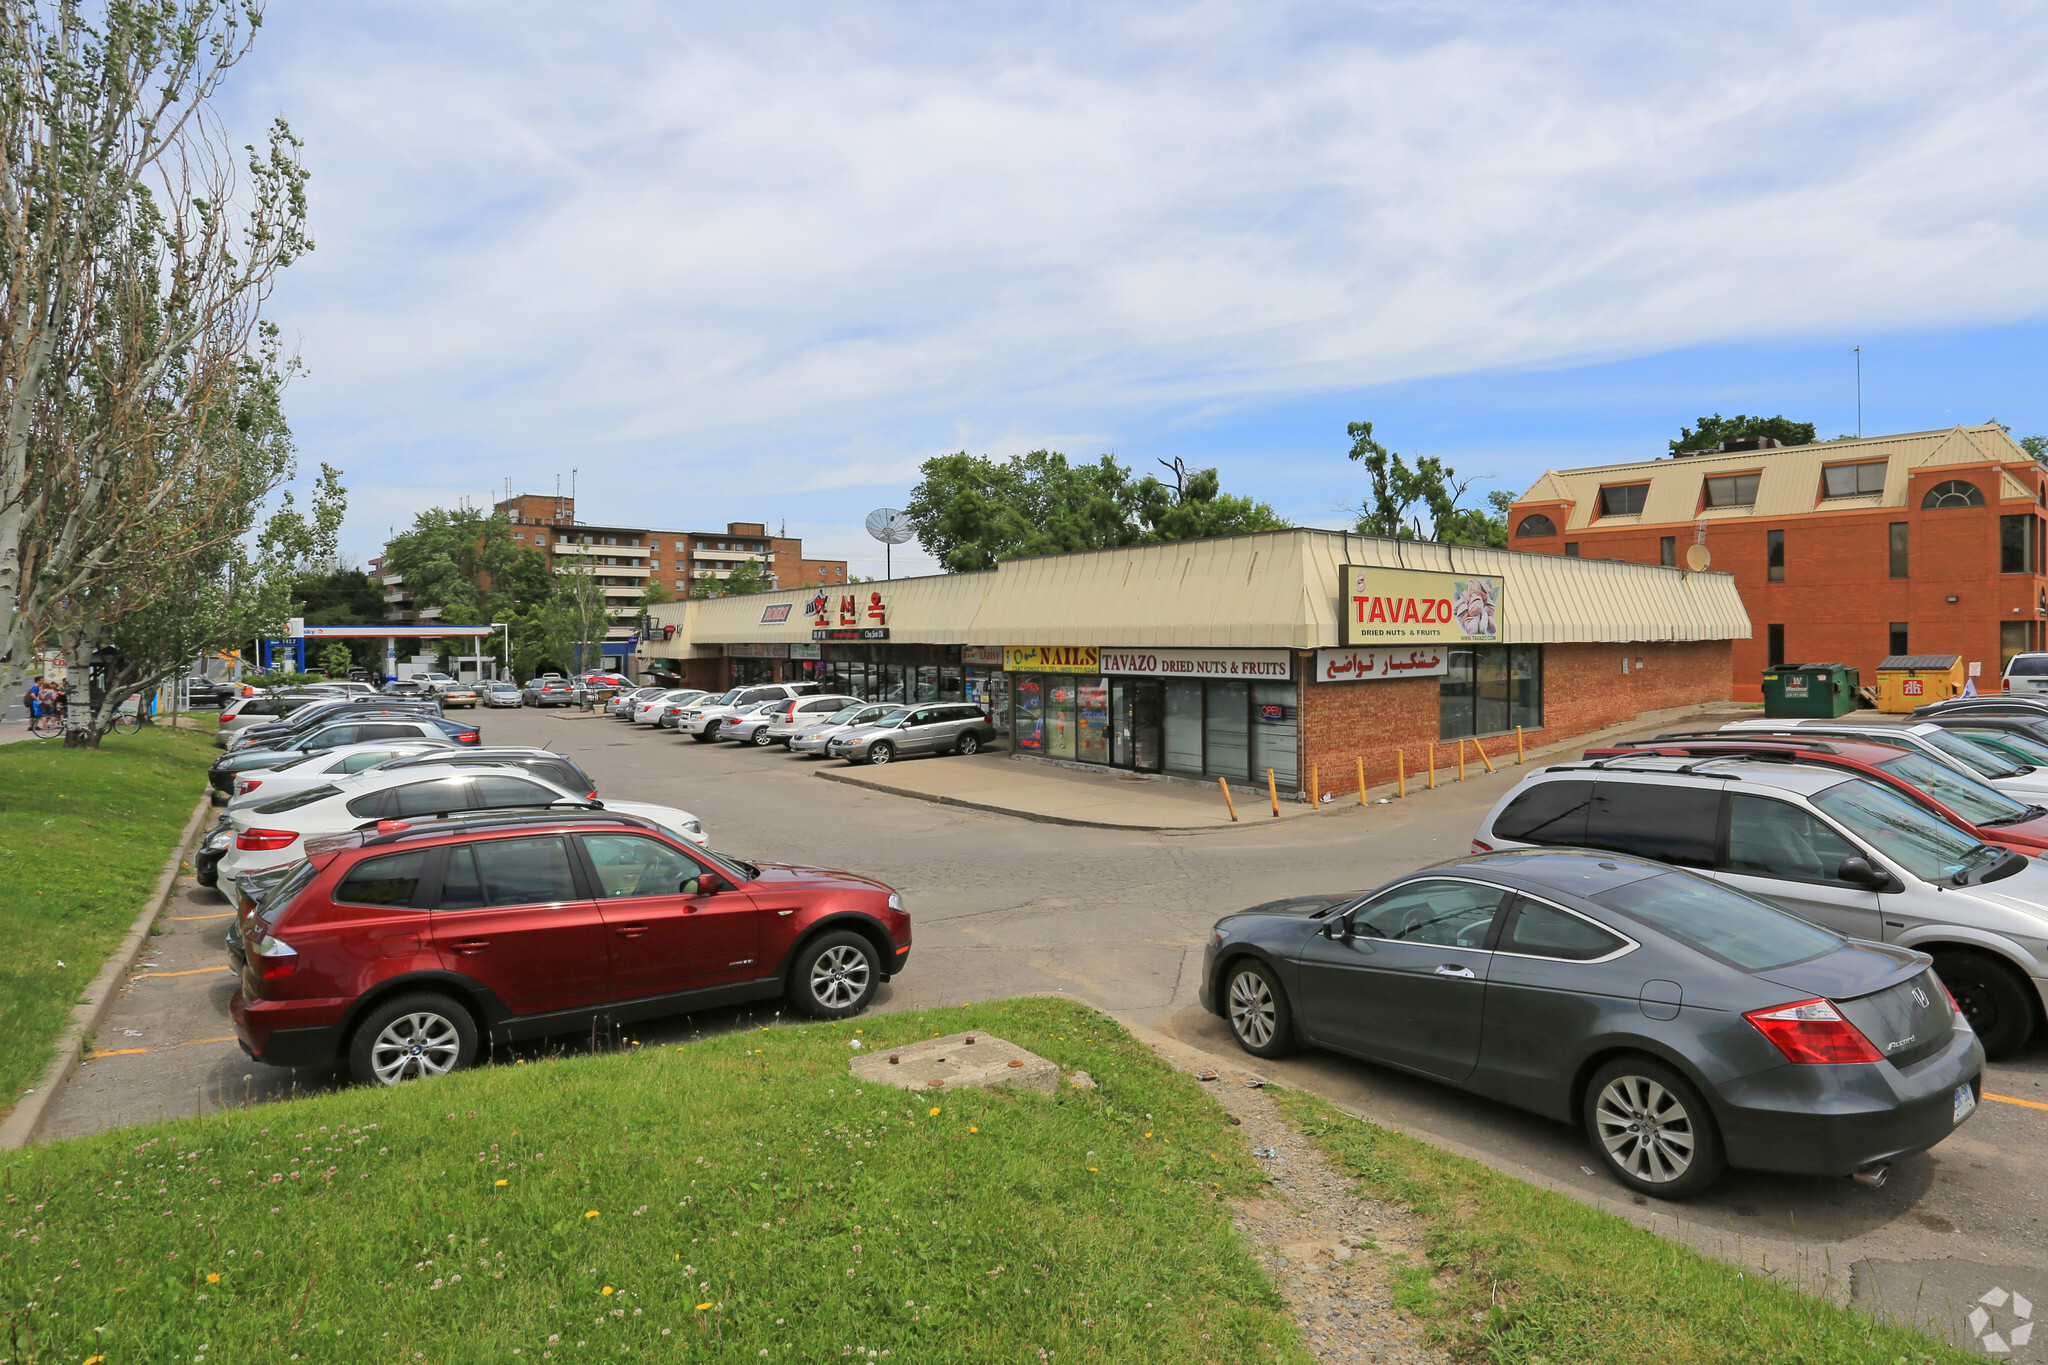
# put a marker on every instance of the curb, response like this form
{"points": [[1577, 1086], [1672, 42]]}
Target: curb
{"points": [[992, 809], [19, 1128]]}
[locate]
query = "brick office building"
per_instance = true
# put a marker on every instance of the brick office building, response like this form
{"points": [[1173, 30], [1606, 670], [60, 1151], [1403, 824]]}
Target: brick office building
{"points": [[1280, 650], [1845, 551]]}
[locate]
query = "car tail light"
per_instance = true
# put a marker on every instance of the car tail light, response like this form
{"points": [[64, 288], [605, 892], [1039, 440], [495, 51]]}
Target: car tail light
{"points": [[1814, 1033], [468, 737], [245, 785], [264, 840], [1961, 1019], [273, 957], [1481, 846]]}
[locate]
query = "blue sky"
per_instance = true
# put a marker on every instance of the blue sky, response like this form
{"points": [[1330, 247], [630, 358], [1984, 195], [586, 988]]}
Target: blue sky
{"points": [[735, 262]]}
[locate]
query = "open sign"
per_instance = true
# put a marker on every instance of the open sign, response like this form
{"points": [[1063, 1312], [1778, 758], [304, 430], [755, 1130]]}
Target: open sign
{"points": [[1269, 711]]}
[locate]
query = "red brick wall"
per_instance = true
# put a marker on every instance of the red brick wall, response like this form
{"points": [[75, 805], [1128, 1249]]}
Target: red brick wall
{"points": [[1838, 600], [1584, 689]]}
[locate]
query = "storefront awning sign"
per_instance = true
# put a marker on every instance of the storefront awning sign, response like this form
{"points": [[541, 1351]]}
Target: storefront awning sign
{"points": [[1417, 606], [775, 613], [1377, 665], [1052, 658], [857, 633], [1199, 663]]}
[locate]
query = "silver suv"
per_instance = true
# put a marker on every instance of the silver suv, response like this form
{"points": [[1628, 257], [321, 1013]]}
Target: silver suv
{"points": [[938, 728], [1842, 851], [701, 719]]}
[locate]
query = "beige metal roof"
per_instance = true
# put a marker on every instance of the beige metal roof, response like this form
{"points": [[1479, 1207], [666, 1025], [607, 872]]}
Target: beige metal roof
{"points": [[1791, 481], [1275, 589]]}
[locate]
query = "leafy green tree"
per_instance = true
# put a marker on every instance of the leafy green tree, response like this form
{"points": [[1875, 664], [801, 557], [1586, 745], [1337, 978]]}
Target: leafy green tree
{"points": [[1709, 432], [747, 576], [337, 659], [1395, 489], [657, 593], [467, 564], [970, 511]]}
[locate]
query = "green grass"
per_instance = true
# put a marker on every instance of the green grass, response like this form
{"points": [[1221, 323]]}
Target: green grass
{"points": [[1525, 1275], [734, 1198], [83, 836]]}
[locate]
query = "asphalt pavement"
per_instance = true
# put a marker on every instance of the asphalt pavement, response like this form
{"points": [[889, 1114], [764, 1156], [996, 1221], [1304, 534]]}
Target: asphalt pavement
{"points": [[1116, 919]]}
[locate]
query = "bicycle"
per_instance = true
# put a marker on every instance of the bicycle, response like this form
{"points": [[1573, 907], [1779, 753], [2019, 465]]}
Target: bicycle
{"points": [[128, 720], [48, 722]]}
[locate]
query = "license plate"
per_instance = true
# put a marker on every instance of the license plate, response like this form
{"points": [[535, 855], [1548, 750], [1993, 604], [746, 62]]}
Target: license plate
{"points": [[1966, 1102]]}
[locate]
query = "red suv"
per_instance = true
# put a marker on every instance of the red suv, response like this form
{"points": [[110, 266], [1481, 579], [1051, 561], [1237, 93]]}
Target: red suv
{"points": [[397, 948], [1986, 812]]}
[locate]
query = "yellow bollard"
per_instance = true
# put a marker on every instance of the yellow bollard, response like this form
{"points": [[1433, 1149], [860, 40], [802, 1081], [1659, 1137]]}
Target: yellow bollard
{"points": [[1482, 756], [1461, 760], [1273, 793], [1315, 784], [1432, 765], [1518, 746], [1401, 771], [1361, 779], [1226, 799]]}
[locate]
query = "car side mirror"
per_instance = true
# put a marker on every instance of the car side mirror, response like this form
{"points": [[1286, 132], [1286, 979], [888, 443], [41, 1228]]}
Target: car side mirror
{"points": [[708, 884], [1339, 929], [1859, 872]]}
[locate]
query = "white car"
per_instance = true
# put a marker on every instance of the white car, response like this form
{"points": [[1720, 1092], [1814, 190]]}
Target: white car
{"points": [[647, 711], [812, 738], [701, 719], [260, 785], [432, 682], [270, 833], [621, 706], [498, 692], [2026, 675]]}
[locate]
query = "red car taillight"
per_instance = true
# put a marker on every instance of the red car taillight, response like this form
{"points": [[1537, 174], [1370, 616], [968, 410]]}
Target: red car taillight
{"points": [[245, 785], [273, 958], [468, 737], [1481, 846], [264, 840], [1814, 1033]]}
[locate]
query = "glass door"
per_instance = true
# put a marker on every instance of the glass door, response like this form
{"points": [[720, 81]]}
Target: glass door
{"points": [[1091, 730], [1148, 709]]}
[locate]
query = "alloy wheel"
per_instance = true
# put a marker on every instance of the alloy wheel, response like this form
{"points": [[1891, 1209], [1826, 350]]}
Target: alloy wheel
{"points": [[969, 744], [881, 753], [1645, 1129], [415, 1045], [762, 738], [839, 976], [1252, 1011]]}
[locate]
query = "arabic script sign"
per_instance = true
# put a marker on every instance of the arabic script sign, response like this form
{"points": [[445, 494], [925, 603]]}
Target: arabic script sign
{"points": [[1417, 606], [1370, 665]]}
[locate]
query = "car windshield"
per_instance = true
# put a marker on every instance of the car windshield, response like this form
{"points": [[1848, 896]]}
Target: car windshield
{"points": [[1929, 848], [2025, 748], [1720, 921], [2027, 666], [738, 870], [1975, 757], [1977, 802], [724, 698], [843, 715], [896, 717]]}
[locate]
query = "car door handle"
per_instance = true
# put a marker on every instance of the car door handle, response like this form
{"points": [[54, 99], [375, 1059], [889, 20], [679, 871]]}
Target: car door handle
{"points": [[1448, 970], [630, 930], [471, 945]]}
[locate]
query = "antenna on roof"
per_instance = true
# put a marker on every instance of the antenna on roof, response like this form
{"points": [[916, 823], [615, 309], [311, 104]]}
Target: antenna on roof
{"points": [[1859, 390]]}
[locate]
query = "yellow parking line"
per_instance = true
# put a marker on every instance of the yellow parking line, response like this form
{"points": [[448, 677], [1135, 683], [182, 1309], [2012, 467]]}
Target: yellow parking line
{"points": [[2007, 1099], [196, 971], [225, 914]]}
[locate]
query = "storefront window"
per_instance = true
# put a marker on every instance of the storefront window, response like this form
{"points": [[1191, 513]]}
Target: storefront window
{"points": [[1092, 720], [1184, 727], [1490, 689], [1274, 722], [1226, 730], [1029, 731], [1137, 709], [950, 688], [1059, 710], [927, 684], [891, 682]]}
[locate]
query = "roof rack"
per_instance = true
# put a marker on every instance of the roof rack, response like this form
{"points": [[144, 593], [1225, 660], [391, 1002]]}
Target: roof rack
{"points": [[1762, 743], [504, 817], [1603, 763]]}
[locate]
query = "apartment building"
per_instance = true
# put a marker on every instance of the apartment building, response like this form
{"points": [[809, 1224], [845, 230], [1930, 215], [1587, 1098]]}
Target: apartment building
{"points": [[1926, 542]]}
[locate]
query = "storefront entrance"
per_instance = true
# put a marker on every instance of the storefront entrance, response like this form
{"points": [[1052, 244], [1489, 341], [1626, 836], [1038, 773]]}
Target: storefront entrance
{"points": [[1236, 730]]}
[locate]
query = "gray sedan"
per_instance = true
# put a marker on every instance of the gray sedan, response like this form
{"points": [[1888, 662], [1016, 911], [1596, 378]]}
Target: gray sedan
{"points": [[1685, 1026]]}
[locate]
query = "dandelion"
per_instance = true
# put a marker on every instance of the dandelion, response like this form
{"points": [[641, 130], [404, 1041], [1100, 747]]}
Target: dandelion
{"points": [[213, 1277], [503, 1183], [591, 1214], [702, 1306], [973, 1129], [608, 1290], [934, 1112]]}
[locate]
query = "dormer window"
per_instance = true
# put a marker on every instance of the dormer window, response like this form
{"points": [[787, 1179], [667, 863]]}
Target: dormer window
{"points": [[1733, 490], [1623, 501], [1851, 480]]}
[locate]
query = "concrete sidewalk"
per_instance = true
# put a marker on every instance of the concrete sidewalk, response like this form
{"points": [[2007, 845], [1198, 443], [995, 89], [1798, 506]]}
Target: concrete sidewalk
{"points": [[1110, 799], [1062, 796]]}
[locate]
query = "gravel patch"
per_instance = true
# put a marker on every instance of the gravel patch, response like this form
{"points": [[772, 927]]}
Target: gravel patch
{"points": [[1333, 1254]]}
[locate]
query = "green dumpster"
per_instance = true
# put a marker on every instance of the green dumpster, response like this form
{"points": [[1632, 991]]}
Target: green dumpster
{"points": [[1810, 690]]}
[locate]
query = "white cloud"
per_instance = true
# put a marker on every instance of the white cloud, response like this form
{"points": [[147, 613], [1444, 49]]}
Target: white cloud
{"points": [[741, 255]]}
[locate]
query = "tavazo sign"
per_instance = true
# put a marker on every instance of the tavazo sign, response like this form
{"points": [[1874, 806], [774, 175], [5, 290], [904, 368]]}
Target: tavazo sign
{"points": [[1199, 663], [1417, 606]]}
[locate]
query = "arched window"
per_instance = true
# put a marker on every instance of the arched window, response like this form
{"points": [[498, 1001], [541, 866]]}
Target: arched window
{"points": [[1954, 493], [1536, 524]]}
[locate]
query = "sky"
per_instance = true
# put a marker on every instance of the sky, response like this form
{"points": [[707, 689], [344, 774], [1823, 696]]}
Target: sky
{"points": [[758, 263]]}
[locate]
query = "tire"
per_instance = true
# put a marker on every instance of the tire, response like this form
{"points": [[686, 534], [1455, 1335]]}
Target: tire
{"points": [[835, 976], [409, 1037], [703, 736], [969, 745], [1680, 1155], [711, 731], [882, 752], [1992, 999], [762, 739], [1256, 1008]]}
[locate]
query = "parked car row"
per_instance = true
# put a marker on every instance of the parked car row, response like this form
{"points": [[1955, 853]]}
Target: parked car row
{"points": [[1780, 945], [803, 720]]}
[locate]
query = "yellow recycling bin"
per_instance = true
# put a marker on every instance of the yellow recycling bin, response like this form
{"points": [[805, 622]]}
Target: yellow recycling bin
{"points": [[1906, 681]]}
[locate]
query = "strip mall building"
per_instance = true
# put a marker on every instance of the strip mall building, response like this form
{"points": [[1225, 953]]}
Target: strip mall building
{"points": [[1228, 657]]}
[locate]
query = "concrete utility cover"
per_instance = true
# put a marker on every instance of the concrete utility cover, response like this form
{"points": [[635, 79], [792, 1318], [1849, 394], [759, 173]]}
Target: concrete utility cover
{"points": [[958, 1059]]}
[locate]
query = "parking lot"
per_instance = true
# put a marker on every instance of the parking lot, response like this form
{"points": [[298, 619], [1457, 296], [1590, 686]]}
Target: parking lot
{"points": [[1116, 919]]}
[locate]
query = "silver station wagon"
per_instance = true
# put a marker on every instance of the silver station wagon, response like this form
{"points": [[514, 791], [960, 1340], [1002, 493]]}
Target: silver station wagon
{"points": [[910, 731]]}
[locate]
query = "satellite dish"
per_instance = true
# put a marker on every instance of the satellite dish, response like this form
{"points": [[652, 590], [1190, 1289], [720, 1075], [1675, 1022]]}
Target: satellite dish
{"points": [[892, 528], [1697, 557]]}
